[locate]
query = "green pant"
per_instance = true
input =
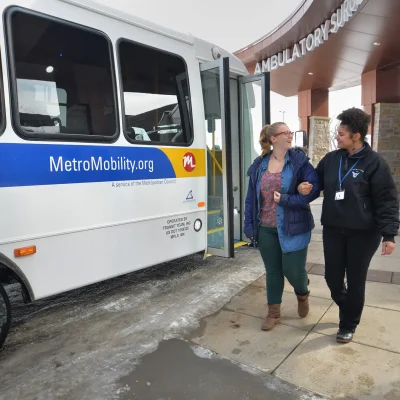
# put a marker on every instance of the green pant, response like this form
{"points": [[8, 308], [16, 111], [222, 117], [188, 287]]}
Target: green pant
{"points": [[279, 265]]}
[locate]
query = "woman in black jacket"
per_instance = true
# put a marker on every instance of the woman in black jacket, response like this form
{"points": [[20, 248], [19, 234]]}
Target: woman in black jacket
{"points": [[360, 207]]}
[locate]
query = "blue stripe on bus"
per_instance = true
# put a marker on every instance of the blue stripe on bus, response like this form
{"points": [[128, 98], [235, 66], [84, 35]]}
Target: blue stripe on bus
{"points": [[53, 164]]}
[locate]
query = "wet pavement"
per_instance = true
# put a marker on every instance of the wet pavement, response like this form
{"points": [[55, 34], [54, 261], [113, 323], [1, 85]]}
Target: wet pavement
{"points": [[180, 370]]}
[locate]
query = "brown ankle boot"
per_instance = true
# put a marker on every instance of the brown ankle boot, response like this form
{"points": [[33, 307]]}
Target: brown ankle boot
{"points": [[274, 313], [303, 305]]}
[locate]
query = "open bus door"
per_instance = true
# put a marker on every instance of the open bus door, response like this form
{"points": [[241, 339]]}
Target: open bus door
{"points": [[255, 112], [216, 95], [236, 108]]}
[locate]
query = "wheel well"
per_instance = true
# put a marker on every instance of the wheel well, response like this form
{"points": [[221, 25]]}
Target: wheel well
{"points": [[11, 273]]}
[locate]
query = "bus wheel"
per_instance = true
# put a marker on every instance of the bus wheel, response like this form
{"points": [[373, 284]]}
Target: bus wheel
{"points": [[5, 315]]}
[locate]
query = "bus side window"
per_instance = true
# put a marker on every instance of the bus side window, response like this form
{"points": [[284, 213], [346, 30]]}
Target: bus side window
{"points": [[63, 79], [2, 106], [156, 96]]}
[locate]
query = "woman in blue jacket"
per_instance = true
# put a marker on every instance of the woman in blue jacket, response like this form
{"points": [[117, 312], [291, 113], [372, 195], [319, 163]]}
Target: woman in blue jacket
{"points": [[278, 219]]}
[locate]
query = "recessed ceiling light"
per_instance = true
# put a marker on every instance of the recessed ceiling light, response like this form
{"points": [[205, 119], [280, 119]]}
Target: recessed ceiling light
{"points": [[49, 69], [310, 73], [377, 44]]}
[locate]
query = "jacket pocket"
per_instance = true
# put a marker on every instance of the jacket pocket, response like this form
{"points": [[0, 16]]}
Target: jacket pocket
{"points": [[366, 204], [366, 211]]}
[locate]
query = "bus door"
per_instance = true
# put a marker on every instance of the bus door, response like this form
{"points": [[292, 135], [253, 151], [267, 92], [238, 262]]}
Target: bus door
{"points": [[236, 108], [255, 112], [216, 95]]}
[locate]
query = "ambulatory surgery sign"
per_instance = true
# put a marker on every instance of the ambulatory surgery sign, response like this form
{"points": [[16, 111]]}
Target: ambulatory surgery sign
{"points": [[313, 40]]}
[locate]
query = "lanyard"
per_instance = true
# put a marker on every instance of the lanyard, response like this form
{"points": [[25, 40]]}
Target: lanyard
{"points": [[341, 180]]}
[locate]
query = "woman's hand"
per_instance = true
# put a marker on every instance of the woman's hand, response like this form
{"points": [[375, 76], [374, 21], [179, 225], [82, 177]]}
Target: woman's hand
{"points": [[388, 248], [277, 197], [305, 188]]}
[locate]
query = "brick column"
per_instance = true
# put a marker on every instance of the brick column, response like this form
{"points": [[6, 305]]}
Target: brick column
{"points": [[387, 136], [318, 139], [379, 87], [312, 103]]}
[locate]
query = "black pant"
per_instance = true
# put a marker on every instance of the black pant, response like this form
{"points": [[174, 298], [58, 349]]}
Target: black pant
{"points": [[350, 252]]}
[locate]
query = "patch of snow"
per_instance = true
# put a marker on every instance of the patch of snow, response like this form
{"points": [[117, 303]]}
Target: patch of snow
{"points": [[124, 389], [249, 370], [202, 352], [118, 305]]}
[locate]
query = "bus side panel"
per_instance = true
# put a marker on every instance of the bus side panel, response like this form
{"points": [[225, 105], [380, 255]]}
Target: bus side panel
{"points": [[45, 196], [69, 261]]}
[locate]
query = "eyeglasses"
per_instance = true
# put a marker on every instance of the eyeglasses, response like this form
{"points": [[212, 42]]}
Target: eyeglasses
{"points": [[287, 134]]}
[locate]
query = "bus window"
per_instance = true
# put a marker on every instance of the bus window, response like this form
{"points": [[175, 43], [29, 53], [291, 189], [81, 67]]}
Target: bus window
{"points": [[41, 98], [2, 106], [63, 79], [156, 96]]}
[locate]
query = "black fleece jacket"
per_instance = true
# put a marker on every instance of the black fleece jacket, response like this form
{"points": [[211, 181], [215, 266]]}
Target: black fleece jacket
{"points": [[371, 200]]}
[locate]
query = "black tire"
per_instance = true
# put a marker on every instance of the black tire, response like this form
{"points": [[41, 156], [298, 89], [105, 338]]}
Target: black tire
{"points": [[5, 315]]}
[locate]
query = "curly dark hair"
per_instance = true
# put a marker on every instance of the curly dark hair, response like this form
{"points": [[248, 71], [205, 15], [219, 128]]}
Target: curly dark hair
{"points": [[356, 121]]}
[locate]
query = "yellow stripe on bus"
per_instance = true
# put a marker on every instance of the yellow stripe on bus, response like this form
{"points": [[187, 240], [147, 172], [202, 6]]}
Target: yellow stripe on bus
{"points": [[195, 160], [240, 244], [212, 212], [215, 230]]}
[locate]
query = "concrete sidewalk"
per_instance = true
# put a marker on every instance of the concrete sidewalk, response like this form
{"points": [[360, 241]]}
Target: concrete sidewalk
{"points": [[304, 351]]}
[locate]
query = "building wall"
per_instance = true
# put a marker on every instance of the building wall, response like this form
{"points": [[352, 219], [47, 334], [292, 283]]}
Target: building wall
{"points": [[386, 137]]}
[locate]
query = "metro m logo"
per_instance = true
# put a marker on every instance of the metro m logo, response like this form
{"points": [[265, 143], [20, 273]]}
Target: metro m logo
{"points": [[189, 162]]}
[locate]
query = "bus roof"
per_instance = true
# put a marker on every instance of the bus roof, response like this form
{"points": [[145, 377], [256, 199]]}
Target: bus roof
{"points": [[130, 19], [203, 48]]}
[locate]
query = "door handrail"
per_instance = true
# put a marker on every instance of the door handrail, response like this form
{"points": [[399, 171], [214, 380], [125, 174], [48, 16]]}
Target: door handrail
{"points": [[215, 159]]}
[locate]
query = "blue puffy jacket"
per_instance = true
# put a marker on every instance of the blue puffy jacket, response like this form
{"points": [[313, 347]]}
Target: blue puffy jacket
{"points": [[298, 218]]}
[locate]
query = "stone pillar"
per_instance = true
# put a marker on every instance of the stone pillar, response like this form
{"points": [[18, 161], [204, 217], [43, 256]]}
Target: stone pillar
{"points": [[387, 136], [318, 139]]}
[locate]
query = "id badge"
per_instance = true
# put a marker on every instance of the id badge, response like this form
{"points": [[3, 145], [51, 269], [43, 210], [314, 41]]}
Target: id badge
{"points": [[339, 195]]}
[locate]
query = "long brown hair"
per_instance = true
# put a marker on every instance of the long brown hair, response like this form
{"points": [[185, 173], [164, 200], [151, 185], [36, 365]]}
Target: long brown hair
{"points": [[265, 136]]}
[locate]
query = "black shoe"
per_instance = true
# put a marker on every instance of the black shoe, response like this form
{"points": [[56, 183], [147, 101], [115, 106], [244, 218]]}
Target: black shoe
{"points": [[344, 336]]}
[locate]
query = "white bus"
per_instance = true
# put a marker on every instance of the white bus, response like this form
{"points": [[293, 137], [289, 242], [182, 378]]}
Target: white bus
{"points": [[122, 145]]}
